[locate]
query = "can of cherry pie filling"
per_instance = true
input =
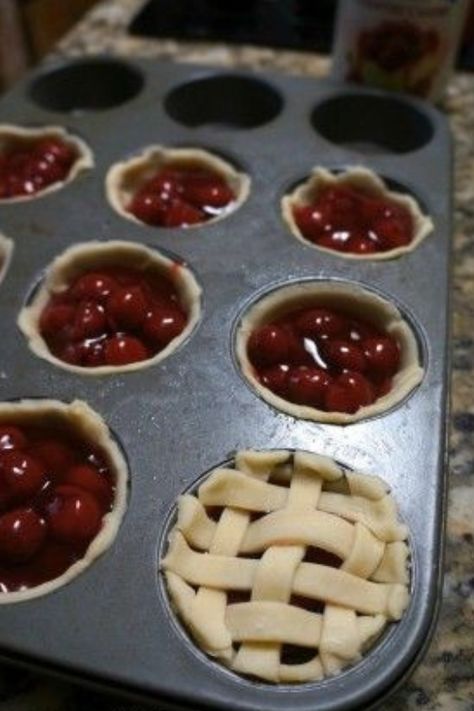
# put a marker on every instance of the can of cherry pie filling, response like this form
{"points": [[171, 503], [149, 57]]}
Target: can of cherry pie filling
{"points": [[400, 45]]}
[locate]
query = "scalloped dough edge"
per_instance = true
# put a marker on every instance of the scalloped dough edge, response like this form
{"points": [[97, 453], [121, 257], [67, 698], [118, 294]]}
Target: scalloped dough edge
{"points": [[84, 161], [93, 255], [124, 178], [90, 425], [354, 300], [6, 251], [366, 180]]}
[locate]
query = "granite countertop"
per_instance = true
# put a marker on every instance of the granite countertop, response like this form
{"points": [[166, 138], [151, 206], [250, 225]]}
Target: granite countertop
{"points": [[445, 679]]}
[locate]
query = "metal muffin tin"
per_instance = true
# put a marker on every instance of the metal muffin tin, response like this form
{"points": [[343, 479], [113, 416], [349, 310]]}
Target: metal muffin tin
{"points": [[179, 419]]}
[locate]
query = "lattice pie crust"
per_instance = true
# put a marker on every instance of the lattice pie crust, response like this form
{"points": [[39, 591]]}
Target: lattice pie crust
{"points": [[305, 501]]}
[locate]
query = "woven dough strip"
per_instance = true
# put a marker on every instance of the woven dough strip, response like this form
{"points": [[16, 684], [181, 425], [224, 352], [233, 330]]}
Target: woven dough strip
{"points": [[315, 504]]}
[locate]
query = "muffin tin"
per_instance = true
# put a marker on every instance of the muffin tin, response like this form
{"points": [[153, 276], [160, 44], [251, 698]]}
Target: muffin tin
{"points": [[113, 625]]}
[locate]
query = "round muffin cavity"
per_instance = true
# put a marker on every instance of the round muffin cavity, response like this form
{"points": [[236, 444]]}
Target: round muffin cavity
{"points": [[286, 566], [328, 351], [63, 494], [354, 214], [38, 161], [93, 315], [175, 187], [6, 250]]}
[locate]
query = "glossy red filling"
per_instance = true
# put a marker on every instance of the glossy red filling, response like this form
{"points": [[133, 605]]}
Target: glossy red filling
{"points": [[179, 197], [113, 316], [324, 358], [347, 220], [55, 489], [26, 168]]}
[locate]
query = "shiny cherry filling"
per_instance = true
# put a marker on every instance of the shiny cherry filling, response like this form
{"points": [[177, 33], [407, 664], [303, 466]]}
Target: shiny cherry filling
{"points": [[179, 197], [113, 316], [26, 168], [55, 489], [345, 219], [324, 358]]}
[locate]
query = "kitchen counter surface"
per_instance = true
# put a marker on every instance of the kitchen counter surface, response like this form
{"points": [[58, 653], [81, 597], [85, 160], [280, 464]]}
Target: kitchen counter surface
{"points": [[445, 679]]}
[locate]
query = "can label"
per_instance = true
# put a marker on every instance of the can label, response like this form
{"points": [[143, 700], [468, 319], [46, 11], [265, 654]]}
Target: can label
{"points": [[402, 45]]}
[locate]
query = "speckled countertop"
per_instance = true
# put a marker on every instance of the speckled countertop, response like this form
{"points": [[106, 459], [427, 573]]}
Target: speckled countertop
{"points": [[445, 679]]}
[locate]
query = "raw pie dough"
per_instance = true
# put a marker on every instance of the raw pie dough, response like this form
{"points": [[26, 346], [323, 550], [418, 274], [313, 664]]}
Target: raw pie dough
{"points": [[80, 418], [84, 161], [306, 500], [352, 300], [367, 181], [6, 250], [92, 256], [125, 178]]}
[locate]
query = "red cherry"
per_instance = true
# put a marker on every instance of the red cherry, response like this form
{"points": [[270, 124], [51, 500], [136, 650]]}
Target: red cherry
{"points": [[182, 214], [360, 387], [207, 191], [93, 286], [55, 456], [87, 477], [337, 241], [166, 184], [22, 533], [391, 233], [360, 330], [56, 317], [268, 345], [11, 437], [70, 353], [358, 244], [384, 387], [310, 220], [92, 352], [339, 398], [320, 323], [73, 515], [90, 320], [382, 354], [149, 208], [22, 475], [163, 323], [341, 204], [275, 379], [345, 355], [121, 350], [51, 561], [55, 150], [307, 386], [43, 172], [127, 307]]}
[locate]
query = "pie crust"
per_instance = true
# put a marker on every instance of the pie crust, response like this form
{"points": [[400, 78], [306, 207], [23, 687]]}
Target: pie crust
{"points": [[305, 500], [84, 161], [125, 178], [6, 250], [367, 181], [94, 255], [89, 424], [353, 300]]}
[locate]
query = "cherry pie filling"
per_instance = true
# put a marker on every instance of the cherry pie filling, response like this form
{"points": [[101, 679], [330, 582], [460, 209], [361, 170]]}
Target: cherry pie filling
{"points": [[181, 196], [55, 489], [27, 167], [324, 358], [114, 316], [345, 219]]}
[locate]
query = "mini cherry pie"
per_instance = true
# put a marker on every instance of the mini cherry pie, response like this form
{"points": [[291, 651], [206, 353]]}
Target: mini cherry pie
{"points": [[109, 306], [354, 214], [175, 187], [328, 351], [36, 161], [286, 566], [62, 494]]}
